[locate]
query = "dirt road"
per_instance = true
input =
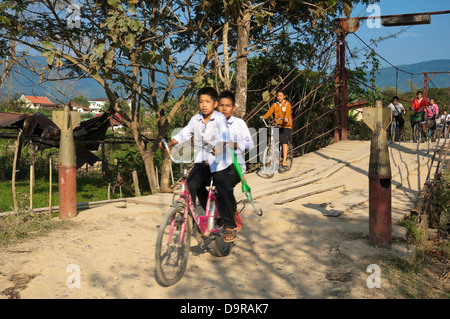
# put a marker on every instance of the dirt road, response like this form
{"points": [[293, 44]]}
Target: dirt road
{"points": [[313, 247]]}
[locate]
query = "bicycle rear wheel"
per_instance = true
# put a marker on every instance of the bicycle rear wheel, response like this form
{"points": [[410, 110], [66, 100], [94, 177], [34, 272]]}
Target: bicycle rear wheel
{"points": [[171, 256], [290, 157], [219, 246]]}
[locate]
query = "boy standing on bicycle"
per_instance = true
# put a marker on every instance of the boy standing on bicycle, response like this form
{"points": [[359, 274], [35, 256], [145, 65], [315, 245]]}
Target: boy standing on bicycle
{"points": [[239, 132], [282, 109], [210, 126], [240, 137]]}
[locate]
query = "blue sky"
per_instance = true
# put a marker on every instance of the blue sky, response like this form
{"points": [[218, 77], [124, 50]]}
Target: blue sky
{"points": [[417, 43]]}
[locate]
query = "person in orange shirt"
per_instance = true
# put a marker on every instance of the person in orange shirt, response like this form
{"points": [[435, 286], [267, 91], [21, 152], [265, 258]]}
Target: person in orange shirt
{"points": [[282, 109]]}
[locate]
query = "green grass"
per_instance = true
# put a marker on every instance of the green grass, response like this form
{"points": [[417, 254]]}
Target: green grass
{"points": [[88, 189]]}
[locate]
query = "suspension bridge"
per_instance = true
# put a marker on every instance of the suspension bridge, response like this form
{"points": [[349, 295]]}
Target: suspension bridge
{"points": [[311, 242]]}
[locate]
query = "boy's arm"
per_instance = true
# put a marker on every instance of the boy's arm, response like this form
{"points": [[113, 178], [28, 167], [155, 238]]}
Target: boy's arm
{"points": [[269, 112], [185, 134], [287, 115], [244, 140], [224, 135]]}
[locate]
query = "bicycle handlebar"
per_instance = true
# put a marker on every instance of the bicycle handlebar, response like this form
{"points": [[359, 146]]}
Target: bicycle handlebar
{"points": [[206, 146], [270, 126]]}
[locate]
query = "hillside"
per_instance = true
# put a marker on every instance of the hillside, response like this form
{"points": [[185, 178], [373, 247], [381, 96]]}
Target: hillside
{"points": [[25, 82], [387, 76]]}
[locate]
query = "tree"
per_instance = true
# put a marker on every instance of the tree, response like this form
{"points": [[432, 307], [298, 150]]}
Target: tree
{"points": [[246, 27], [126, 46]]}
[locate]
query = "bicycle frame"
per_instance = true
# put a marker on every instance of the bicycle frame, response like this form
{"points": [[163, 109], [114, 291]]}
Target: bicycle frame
{"points": [[275, 146], [205, 223]]}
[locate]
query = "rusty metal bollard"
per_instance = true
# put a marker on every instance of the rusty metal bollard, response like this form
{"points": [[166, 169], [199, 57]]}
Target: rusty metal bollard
{"points": [[66, 121], [380, 214]]}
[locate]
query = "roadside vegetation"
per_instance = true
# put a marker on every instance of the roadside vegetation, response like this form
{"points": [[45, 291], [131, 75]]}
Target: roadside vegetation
{"points": [[428, 276]]}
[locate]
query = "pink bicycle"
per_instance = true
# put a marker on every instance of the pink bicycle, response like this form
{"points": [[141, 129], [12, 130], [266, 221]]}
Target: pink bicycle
{"points": [[177, 226]]}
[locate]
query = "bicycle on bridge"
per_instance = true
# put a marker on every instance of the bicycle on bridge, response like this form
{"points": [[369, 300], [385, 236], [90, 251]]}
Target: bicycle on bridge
{"points": [[272, 152], [182, 221]]}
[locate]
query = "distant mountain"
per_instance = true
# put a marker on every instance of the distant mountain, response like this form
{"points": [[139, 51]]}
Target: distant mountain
{"points": [[387, 76], [26, 82]]}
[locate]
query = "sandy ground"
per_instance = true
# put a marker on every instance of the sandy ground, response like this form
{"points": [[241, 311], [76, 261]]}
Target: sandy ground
{"points": [[293, 251]]}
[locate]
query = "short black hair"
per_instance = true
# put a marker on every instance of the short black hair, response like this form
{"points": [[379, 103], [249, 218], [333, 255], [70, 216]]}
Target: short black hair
{"points": [[419, 92], [395, 98], [207, 90], [281, 91], [227, 95]]}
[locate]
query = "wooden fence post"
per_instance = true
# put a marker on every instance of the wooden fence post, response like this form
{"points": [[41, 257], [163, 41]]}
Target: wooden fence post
{"points": [[50, 191], [16, 154]]}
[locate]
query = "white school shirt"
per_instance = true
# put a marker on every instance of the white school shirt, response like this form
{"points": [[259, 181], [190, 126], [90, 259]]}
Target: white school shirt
{"points": [[396, 109], [214, 132], [240, 134]]}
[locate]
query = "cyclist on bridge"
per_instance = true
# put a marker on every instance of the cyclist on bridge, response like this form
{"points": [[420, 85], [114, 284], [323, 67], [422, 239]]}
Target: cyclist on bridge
{"points": [[445, 122], [282, 109], [419, 107], [397, 112], [432, 115]]}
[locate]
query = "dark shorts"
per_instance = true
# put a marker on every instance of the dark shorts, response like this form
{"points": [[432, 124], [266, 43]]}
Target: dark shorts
{"points": [[431, 124], [284, 135]]}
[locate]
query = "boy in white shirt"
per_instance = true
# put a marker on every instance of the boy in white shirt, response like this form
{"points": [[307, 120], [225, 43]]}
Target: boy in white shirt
{"points": [[239, 132], [239, 135], [397, 111], [210, 126]]}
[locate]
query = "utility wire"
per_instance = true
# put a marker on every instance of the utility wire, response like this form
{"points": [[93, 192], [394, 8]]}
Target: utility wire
{"points": [[395, 67]]}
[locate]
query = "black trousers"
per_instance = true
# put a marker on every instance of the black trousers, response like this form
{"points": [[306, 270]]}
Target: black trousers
{"points": [[224, 180], [401, 121]]}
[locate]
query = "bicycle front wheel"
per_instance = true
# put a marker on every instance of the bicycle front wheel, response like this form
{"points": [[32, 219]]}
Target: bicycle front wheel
{"points": [[269, 162], [417, 133], [393, 129], [172, 250]]}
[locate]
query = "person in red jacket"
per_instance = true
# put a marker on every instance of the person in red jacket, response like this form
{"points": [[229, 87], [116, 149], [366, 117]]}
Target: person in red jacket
{"points": [[419, 107]]}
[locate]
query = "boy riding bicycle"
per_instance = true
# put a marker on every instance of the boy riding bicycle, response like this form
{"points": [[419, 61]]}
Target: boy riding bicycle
{"points": [[419, 107], [282, 109], [397, 112], [210, 126]]}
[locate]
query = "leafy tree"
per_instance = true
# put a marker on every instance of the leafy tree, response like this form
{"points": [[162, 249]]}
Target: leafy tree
{"points": [[246, 27], [126, 46]]}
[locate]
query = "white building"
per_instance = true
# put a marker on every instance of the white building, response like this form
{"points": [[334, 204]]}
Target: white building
{"points": [[96, 105]]}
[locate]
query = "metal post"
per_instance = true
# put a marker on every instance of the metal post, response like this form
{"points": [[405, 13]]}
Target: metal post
{"points": [[337, 94], [380, 214], [344, 89], [66, 121]]}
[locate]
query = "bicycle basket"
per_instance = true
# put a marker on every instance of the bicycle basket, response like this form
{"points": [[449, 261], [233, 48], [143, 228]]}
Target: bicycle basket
{"points": [[417, 117]]}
